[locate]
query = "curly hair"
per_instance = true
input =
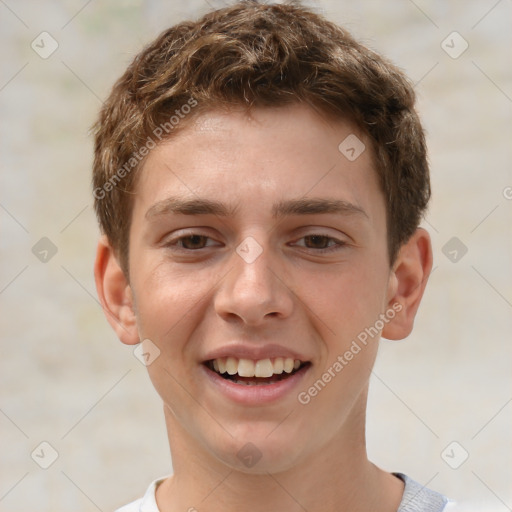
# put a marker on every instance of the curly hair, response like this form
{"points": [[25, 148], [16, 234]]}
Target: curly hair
{"points": [[259, 55]]}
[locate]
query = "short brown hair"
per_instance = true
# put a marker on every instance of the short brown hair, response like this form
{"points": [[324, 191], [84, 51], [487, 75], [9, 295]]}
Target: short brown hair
{"points": [[258, 55]]}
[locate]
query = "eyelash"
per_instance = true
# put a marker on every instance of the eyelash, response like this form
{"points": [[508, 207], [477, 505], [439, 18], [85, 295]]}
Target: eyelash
{"points": [[339, 244]]}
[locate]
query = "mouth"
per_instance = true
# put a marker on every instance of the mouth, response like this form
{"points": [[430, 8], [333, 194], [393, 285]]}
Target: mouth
{"points": [[248, 372]]}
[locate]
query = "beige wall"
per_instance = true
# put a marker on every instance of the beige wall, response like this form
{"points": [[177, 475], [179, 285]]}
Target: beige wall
{"points": [[67, 380]]}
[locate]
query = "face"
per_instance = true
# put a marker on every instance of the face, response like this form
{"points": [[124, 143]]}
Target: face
{"points": [[259, 249]]}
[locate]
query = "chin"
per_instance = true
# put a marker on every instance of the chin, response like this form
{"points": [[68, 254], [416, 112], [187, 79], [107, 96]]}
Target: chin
{"points": [[255, 451]]}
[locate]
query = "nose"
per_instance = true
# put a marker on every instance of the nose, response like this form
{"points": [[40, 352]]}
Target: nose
{"points": [[255, 288]]}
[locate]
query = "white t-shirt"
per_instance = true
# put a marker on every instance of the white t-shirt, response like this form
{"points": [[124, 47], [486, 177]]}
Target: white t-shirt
{"points": [[416, 498]]}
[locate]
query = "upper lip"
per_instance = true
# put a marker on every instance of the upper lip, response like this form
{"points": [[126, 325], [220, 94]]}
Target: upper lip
{"points": [[244, 351]]}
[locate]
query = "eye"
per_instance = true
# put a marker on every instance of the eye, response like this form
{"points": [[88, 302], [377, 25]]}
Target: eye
{"points": [[189, 242], [322, 243], [318, 243]]}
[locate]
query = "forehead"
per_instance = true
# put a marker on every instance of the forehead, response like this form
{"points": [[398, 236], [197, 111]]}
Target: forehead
{"points": [[261, 157]]}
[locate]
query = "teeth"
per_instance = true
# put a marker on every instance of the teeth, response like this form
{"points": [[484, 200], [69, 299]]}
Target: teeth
{"points": [[231, 365], [288, 365], [278, 365], [221, 364], [261, 368], [246, 368]]}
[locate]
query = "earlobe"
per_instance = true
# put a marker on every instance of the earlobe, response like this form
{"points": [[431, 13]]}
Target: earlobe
{"points": [[115, 294], [407, 283]]}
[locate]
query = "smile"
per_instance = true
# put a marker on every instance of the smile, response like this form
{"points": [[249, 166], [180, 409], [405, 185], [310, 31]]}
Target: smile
{"points": [[249, 372]]}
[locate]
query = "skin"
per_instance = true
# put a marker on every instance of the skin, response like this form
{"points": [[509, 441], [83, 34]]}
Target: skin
{"points": [[192, 296]]}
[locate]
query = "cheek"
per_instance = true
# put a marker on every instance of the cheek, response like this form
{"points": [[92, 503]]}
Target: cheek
{"points": [[349, 304], [348, 299], [167, 301], [169, 306]]}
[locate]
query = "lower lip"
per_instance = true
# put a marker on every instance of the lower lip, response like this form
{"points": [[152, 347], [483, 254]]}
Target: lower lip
{"points": [[256, 394]]}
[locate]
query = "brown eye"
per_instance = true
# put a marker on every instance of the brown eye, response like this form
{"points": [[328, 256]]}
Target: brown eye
{"points": [[318, 241], [188, 242], [193, 242]]}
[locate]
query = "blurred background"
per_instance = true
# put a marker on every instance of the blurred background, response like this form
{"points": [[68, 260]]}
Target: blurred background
{"points": [[81, 427]]}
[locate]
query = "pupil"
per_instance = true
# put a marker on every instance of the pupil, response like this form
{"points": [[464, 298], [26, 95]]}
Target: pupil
{"points": [[196, 240], [318, 240]]}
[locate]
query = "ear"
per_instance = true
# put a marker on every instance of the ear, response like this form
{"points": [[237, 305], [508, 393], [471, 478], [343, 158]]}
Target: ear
{"points": [[115, 293], [407, 283]]}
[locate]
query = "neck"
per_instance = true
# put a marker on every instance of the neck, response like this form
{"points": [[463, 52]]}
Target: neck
{"points": [[338, 477]]}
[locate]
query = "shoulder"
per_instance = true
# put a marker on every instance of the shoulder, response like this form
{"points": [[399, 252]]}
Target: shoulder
{"points": [[418, 498], [147, 503], [134, 506]]}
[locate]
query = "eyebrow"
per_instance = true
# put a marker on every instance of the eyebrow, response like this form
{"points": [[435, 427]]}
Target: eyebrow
{"points": [[302, 206]]}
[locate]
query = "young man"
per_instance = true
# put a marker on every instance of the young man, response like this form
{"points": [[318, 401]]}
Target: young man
{"points": [[259, 179]]}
